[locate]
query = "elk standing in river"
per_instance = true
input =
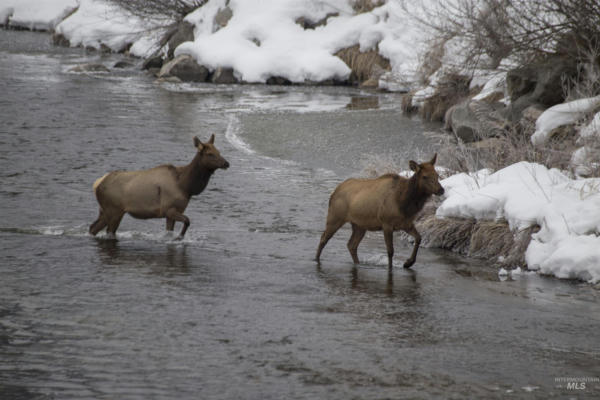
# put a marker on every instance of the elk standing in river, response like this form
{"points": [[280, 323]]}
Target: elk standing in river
{"points": [[387, 203], [160, 192]]}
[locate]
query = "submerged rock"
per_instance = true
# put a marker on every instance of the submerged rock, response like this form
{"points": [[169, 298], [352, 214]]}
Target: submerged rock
{"points": [[58, 39], [89, 68], [185, 68], [224, 75], [155, 61], [472, 121]]}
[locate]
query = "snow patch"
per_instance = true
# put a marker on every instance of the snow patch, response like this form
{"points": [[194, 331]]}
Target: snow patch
{"points": [[35, 14], [562, 114], [528, 194]]}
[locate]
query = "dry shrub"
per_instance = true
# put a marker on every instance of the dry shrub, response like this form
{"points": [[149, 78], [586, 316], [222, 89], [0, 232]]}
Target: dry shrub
{"points": [[363, 64], [447, 233], [513, 146], [450, 90], [491, 240], [431, 59], [169, 9]]}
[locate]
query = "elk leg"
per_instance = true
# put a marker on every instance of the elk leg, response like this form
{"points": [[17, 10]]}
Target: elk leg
{"points": [[170, 224], [412, 231], [175, 215], [113, 224], [388, 235], [98, 224], [330, 230], [357, 235]]}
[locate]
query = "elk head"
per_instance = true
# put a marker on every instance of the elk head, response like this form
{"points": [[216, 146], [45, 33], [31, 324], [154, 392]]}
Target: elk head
{"points": [[428, 179], [210, 157]]}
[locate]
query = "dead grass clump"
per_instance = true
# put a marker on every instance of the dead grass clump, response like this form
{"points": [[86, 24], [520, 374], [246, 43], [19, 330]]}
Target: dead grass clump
{"points": [[450, 90], [491, 240], [447, 233], [363, 64], [407, 105]]}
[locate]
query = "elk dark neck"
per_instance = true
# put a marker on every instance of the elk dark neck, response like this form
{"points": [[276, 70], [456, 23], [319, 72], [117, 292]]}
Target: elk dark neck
{"points": [[413, 199], [195, 176]]}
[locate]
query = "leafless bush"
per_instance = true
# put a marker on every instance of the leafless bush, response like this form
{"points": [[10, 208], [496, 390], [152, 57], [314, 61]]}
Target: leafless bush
{"points": [[512, 147], [451, 89], [173, 10], [587, 82], [521, 29]]}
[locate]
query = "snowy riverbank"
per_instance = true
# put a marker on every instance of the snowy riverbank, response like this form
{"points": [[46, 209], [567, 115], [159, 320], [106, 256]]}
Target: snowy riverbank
{"points": [[525, 194], [263, 39]]}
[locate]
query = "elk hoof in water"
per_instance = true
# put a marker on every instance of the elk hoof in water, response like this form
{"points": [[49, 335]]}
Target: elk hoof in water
{"points": [[409, 263]]}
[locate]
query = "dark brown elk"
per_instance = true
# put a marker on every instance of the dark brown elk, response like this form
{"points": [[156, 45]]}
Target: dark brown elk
{"points": [[160, 192], [387, 203]]}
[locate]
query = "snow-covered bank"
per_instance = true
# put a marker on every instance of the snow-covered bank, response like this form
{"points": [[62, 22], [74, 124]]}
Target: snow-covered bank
{"points": [[263, 38], [97, 23], [527, 194], [35, 14]]}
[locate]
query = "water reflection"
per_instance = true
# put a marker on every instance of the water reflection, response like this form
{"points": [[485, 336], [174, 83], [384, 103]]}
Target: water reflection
{"points": [[172, 259], [363, 103], [402, 285]]}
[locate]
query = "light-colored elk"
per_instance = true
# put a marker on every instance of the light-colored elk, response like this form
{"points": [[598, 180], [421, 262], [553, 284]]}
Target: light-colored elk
{"points": [[160, 192], [387, 203]]}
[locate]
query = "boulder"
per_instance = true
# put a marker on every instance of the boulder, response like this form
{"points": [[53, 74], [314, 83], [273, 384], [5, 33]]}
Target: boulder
{"points": [[278, 80], [222, 17], [185, 68], [58, 39], [168, 79], [541, 83], [184, 33], [472, 121], [155, 61], [123, 64], [520, 81], [223, 75], [89, 68]]}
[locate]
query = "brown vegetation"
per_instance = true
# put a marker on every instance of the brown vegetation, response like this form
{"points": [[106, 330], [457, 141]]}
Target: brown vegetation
{"points": [[364, 65], [490, 240]]}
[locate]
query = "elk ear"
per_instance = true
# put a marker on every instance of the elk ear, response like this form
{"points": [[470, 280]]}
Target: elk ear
{"points": [[413, 166], [197, 143], [432, 162], [212, 139]]}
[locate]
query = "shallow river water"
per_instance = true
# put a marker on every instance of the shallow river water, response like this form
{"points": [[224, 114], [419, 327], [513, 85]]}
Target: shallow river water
{"points": [[239, 309]]}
